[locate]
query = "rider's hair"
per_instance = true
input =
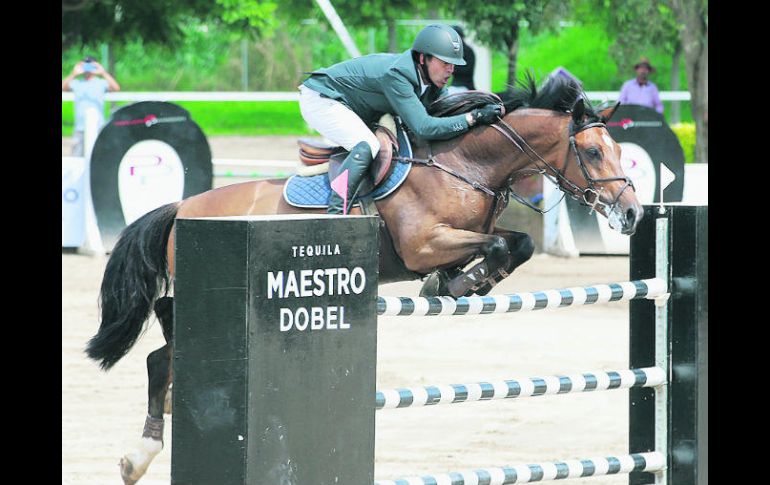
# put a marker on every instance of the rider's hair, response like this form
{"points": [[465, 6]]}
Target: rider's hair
{"points": [[416, 56]]}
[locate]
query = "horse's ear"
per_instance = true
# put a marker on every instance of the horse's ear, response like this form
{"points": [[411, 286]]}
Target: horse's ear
{"points": [[606, 114], [578, 111]]}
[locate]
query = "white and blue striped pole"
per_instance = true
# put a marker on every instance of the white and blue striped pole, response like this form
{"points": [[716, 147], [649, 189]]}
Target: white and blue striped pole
{"points": [[508, 389], [518, 302], [557, 470]]}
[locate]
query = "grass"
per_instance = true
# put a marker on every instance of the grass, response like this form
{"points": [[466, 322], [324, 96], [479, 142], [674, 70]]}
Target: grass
{"points": [[228, 118]]}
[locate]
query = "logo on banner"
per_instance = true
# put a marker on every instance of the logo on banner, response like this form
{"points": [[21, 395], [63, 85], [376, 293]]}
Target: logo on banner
{"points": [[150, 175], [637, 164]]}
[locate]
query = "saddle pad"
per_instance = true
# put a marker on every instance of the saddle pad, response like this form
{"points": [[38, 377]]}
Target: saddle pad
{"points": [[313, 192]]}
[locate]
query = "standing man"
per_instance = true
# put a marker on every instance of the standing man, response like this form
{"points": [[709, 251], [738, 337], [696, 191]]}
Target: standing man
{"points": [[642, 91], [89, 92], [342, 102]]}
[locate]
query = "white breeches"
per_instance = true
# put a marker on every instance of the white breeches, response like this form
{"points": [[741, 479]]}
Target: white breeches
{"points": [[335, 121]]}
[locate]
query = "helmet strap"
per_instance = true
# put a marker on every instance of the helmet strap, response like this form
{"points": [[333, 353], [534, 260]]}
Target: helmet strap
{"points": [[423, 68]]}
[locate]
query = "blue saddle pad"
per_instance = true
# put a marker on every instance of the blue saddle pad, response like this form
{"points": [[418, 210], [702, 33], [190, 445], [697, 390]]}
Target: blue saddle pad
{"points": [[313, 192]]}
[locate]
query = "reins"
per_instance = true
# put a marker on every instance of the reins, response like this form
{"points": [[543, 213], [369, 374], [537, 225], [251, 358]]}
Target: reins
{"points": [[589, 197]]}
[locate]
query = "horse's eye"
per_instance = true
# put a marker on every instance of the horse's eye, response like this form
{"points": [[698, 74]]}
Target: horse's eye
{"points": [[594, 153]]}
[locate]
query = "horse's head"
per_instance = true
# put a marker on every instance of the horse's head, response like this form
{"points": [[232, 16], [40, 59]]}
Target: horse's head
{"points": [[593, 172]]}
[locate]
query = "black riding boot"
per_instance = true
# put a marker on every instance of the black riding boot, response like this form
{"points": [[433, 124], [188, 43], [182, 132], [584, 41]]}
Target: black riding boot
{"points": [[354, 167]]}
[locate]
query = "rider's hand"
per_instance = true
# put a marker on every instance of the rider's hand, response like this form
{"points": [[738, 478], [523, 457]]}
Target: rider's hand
{"points": [[486, 115]]}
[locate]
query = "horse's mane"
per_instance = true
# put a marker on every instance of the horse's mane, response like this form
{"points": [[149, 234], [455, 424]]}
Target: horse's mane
{"points": [[559, 93]]}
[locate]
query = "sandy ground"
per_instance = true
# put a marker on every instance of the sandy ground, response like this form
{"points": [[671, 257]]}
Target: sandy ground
{"points": [[103, 413]]}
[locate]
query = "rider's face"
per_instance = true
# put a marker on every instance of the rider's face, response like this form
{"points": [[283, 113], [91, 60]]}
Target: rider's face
{"points": [[439, 71]]}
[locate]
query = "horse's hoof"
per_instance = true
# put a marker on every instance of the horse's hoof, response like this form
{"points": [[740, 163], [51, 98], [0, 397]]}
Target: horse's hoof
{"points": [[127, 472], [435, 284]]}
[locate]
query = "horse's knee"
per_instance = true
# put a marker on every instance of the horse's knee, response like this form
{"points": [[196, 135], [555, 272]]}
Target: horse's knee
{"points": [[524, 248], [497, 251]]}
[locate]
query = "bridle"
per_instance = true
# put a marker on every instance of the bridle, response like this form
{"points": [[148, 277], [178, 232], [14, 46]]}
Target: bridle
{"points": [[589, 197]]}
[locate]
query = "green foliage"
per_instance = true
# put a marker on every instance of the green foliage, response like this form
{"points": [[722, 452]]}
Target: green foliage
{"points": [[257, 16], [228, 118], [158, 22], [686, 134], [497, 22], [636, 27], [582, 50], [210, 60]]}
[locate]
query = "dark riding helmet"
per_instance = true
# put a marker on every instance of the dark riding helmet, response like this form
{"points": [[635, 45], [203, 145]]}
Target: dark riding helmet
{"points": [[441, 41]]}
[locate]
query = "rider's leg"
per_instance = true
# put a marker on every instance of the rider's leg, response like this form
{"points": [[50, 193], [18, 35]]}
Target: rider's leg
{"points": [[345, 184], [339, 124]]}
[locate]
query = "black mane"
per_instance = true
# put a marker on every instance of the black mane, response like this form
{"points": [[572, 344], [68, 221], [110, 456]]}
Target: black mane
{"points": [[557, 94]]}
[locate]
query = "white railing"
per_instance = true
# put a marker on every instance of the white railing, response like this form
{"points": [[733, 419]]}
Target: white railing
{"points": [[294, 96]]}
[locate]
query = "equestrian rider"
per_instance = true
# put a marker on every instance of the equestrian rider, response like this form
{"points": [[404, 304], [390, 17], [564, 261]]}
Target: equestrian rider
{"points": [[342, 101]]}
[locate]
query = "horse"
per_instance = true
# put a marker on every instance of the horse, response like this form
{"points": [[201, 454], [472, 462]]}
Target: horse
{"points": [[440, 220]]}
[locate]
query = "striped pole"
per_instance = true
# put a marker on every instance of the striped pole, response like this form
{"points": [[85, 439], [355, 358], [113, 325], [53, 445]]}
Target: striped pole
{"points": [[507, 389], [518, 302], [558, 470]]}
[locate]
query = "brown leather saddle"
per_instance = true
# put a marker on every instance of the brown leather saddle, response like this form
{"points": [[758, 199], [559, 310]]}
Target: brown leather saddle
{"points": [[314, 153]]}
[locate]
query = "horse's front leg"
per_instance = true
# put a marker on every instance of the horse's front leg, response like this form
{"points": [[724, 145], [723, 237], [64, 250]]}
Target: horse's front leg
{"points": [[445, 245], [520, 247], [134, 465]]}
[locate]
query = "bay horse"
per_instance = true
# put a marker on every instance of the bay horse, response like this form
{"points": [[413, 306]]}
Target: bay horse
{"points": [[439, 220]]}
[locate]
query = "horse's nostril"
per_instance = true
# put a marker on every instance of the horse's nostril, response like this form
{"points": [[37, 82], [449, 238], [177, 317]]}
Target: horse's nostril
{"points": [[630, 215]]}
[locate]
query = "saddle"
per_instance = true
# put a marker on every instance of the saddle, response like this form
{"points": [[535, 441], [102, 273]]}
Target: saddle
{"points": [[319, 157]]}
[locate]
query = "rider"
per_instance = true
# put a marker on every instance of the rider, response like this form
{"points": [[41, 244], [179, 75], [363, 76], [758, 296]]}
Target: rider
{"points": [[342, 101]]}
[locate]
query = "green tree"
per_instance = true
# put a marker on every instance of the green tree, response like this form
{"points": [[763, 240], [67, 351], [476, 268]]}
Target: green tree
{"points": [[638, 27], [498, 23], [694, 34], [156, 22]]}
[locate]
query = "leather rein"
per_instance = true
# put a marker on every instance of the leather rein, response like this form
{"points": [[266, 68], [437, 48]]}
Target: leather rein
{"points": [[590, 196]]}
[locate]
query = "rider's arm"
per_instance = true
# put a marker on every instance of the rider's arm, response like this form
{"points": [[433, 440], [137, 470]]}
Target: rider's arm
{"points": [[401, 96]]}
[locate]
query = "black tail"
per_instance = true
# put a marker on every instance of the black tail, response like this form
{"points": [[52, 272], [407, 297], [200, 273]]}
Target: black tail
{"points": [[135, 273]]}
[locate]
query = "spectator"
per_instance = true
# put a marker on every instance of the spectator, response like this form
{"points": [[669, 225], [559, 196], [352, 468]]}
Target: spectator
{"points": [[89, 92], [641, 90], [463, 75]]}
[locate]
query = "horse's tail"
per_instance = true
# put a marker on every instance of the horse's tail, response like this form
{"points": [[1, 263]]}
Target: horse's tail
{"points": [[135, 273]]}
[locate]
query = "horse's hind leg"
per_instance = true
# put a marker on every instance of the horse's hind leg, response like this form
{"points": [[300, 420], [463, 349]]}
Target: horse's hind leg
{"points": [[134, 465], [520, 247]]}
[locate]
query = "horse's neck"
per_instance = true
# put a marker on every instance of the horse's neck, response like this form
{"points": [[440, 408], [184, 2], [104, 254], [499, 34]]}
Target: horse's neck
{"points": [[544, 133], [487, 156]]}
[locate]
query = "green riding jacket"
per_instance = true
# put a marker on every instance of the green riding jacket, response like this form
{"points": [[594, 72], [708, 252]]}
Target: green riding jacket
{"points": [[386, 83]]}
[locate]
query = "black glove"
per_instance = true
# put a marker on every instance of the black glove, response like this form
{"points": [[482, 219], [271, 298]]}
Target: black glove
{"points": [[487, 114]]}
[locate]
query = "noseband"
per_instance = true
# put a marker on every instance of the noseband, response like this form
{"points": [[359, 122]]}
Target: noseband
{"points": [[589, 197]]}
